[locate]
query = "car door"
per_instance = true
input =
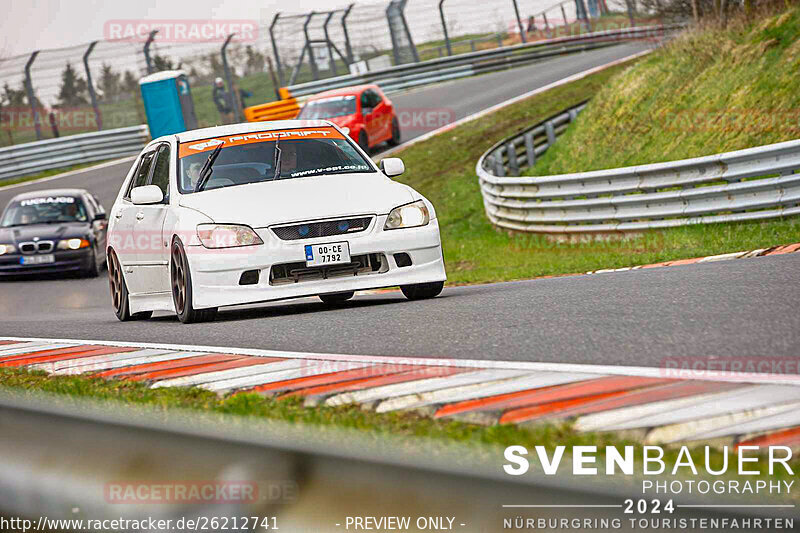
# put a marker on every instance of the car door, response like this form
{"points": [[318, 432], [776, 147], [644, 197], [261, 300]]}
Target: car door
{"points": [[371, 124], [383, 117], [124, 216], [151, 272]]}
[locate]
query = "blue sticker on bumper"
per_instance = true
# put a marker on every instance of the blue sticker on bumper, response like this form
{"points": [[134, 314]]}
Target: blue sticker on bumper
{"points": [[309, 252]]}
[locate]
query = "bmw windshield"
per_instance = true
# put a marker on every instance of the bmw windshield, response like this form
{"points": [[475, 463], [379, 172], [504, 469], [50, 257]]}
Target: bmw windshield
{"points": [[251, 157], [44, 210]]}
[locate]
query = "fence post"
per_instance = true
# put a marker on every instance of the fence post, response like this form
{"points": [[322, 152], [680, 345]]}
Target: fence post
{"points": [[564, 15], [147, 44], [444, 27], [232, 99], [311, 60], [328, 39], [31, 97], [519, 23], [347, 47], [90, 85], [411, 45], [275, 48]]}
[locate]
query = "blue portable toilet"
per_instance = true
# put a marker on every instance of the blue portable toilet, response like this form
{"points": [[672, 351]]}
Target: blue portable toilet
{"points": [[168, 102]]}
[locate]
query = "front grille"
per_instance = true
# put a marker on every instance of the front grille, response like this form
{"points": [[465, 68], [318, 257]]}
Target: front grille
{"points": [[40, 246], [324, 228], [298, 272]]}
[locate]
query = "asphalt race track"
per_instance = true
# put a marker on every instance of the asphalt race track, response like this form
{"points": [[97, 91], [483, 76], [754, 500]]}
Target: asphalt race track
{"points": [[745, 307]]}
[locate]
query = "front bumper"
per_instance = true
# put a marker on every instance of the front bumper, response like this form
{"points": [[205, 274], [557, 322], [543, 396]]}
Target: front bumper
{"points": [[65, 261], [216, 273]]}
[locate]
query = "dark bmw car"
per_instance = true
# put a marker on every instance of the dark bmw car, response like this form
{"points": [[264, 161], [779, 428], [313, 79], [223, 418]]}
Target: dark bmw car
{"points": [[59, 230]]}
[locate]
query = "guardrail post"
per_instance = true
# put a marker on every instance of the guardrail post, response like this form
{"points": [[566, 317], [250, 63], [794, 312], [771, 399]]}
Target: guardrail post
{"points": [[530, 149], [499, 169], [232, 99], [278, 65], [90, 85], [347, 48], [513, 163], [146, 50], [31, 97], [328, 39], [551, 133], [444, 28], [519, 23]]}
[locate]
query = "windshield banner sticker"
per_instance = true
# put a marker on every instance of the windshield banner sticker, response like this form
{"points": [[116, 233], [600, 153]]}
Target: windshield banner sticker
{"points": [[261, 136], [48, 200]]}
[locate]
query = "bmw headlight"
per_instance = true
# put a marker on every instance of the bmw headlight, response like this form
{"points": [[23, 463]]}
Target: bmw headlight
{"points": [[73, 244], [408, 216], [7, 249], [227, 235]]}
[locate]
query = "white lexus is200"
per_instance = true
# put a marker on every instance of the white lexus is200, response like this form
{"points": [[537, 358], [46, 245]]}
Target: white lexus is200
{"points": [[265, 211]]}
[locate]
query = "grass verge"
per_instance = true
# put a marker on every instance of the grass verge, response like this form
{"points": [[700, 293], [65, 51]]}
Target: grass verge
{"points": [[403, 424], [443, 169]]}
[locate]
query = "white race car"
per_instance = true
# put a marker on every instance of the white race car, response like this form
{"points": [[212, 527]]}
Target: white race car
{"points": [[265, 211]]}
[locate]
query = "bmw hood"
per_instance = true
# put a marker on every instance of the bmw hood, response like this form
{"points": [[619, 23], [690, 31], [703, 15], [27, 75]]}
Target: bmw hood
{"points": [[292, 200], [43, 232]]}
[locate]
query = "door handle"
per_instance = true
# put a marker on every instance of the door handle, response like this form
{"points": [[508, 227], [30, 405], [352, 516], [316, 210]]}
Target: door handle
{"points": [[118, 214], [139, 215]]}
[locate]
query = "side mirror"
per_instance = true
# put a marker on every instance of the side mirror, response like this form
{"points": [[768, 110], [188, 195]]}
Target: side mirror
{"points": [[100, 216], [392, 166], [147, 194]]}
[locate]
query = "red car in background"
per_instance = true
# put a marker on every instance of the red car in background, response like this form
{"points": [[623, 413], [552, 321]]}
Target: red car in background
{"points": [[363, 112]]}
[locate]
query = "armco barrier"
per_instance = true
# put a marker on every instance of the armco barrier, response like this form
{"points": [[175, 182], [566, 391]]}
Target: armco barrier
{"points": [[29, 158], [756, 183], [403, 77]]}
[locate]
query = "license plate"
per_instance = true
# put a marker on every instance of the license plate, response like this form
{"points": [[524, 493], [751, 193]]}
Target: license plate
{"points": [[37, 259], [333, 253]]}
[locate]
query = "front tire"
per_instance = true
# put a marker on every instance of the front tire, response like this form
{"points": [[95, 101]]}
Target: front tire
{"points": [[395, 138], [422, 291], [119, 292], [336, 298], [181, 281], [93, 270]]}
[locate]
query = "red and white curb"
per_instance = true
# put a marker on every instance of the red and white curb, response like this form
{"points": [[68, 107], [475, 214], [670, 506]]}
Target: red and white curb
{"points": [[660, 405], [761, 252]]}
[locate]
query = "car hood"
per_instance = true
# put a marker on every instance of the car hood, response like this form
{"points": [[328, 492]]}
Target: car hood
{"points": [[44, 232], [275, 202]]}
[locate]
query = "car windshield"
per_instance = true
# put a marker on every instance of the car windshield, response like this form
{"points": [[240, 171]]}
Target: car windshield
{"points": [[251, 157], [44, 210], [337, 106]]}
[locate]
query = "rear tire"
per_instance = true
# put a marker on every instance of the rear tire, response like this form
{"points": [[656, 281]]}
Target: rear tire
{"points": [[395, 139], [336, 298], [422, 291], [363, 141], [181, 281], [119, 292]]}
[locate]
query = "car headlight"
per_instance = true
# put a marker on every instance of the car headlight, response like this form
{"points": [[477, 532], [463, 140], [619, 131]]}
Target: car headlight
{"points": [[408, 216], [7, 249], [227, 235], [73, 244]]}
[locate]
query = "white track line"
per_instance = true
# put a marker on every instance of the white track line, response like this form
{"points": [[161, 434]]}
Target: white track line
{"points": [[67, 174]]}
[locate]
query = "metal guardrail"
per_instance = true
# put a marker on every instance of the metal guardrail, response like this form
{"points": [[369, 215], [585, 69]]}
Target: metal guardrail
{"points": [[30, 158], [752, 184], [111, 461], [440, 69]]}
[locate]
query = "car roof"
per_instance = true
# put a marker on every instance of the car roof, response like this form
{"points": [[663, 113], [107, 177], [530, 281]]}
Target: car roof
{"points": [[344, 91], [50, 192], [244, 127]]}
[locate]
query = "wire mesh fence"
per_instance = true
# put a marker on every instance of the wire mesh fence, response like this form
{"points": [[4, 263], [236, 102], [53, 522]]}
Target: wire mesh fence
{"points": [[95, 86]]}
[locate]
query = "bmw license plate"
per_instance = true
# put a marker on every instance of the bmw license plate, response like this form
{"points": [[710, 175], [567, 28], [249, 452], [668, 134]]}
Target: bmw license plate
{"points": [[333, 253], [37, 259]]}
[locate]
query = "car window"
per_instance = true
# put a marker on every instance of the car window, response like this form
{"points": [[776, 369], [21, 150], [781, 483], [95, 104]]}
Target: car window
{"points": [[337, 106], [365, 101], [141, 173], [161, 170], [250, 158], [374, 99]]}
